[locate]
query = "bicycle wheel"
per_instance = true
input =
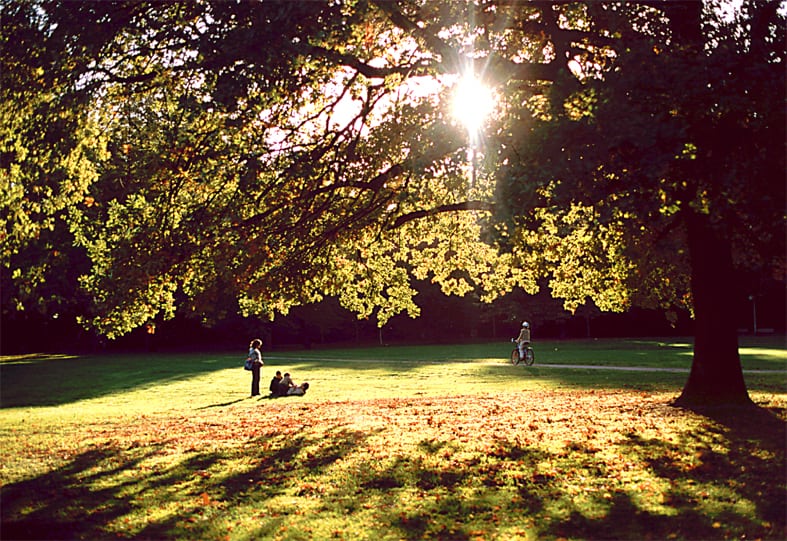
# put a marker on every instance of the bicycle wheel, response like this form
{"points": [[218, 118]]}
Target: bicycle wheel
{"points": [[515, 356], [530, 356]]}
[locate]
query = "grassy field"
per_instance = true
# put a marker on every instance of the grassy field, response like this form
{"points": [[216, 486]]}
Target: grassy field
{"points": [[431, 442]]}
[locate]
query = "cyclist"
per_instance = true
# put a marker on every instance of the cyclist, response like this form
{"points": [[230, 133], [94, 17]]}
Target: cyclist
{"points": [[523, 340]]}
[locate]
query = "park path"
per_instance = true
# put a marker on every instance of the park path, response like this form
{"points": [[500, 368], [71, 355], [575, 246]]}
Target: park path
{"points": [[646, 368], [537, 365]]}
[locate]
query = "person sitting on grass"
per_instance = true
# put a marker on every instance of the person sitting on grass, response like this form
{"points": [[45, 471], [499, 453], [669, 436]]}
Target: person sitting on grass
{"points": [[288, 388], [298, 390], [274, 386], [285, 384]]}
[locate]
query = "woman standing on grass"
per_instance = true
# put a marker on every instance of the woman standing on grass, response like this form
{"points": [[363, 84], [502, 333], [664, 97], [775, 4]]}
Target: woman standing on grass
{"points": [[256, 365]]}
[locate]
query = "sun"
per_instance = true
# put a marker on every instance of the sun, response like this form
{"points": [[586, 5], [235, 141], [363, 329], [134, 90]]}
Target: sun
{"points": [[472, 103]]}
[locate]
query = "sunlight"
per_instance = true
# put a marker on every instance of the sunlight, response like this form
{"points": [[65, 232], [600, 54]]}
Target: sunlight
{"points": [[472, 103]]}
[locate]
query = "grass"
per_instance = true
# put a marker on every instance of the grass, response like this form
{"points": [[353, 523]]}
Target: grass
{"points": [[756, 352], [389, 443]]}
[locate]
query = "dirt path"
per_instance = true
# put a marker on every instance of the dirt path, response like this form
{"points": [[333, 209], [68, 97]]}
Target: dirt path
{"points": [[537, 365]]}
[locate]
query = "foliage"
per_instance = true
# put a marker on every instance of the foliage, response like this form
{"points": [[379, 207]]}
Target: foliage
{"points": [[601, 170], [48, 154], [236, 176], [203, 160], [643, 178]]}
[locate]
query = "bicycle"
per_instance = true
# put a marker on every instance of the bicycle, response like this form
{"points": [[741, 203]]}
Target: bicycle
{"points": [[529, 359]]}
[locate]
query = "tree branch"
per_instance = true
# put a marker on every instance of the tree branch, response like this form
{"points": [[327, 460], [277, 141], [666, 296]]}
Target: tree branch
{"points": [[452, 62], [372, 72], [483, 206], [447, 53]]}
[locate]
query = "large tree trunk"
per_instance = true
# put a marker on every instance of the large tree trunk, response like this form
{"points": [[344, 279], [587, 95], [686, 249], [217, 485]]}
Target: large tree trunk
{"points": [[716, 376]]}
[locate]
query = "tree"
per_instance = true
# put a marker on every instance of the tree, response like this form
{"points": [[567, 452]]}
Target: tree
{"points": [[271, 154], [48, 153], [235, 174], [662, 158], [640, 150]]}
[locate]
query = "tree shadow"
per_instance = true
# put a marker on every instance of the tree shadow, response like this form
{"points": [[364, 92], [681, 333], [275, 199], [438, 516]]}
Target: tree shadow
{"points": [[466, 500], [95, 492], [47, 380], [439, 491], [740, 452], [757, 439], [62, 504], [748, 422], [625, 519]]}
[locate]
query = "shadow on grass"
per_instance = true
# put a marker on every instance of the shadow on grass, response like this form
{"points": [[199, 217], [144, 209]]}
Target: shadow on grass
{"points": [[46, 380], [756, 434], [115, 492], [482, 499], [740, 461], [51, 380], [222, 404], [64, 504], [734, 487]]}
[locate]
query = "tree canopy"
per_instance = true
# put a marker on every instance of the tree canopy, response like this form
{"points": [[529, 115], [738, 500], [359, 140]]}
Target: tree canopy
{"points": [[198, 157]]}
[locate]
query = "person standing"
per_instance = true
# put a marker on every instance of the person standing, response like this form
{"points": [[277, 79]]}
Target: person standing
{"points": [[255, 354]]}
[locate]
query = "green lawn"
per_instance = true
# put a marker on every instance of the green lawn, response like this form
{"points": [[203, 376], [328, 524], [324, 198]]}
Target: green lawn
{"points": [[438, 442], [756, 352]]}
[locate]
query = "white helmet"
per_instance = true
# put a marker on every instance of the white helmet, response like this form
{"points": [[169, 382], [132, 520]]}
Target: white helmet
{"points": [[525, 324]]}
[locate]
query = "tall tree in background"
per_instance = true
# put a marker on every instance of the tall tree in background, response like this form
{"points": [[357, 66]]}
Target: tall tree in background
{"points": [[641, 155], [656, 170], [261, 156], [49, 148]]}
